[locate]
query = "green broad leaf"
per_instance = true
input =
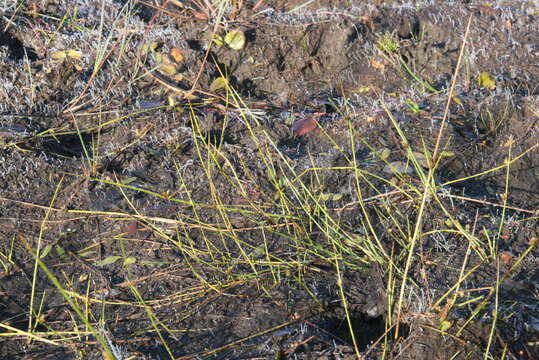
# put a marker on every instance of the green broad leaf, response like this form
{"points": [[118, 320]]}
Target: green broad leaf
{"points": [[445, 325], [219, 83], [153, 46], [235, 39], [485, 80], [128, 180], [59, 56], [171, 101], [413, 106], [108, 260], [384, 154], [331, 197], [509, 142], [218, 40], [150, 48], [363, 89], [86, 254], [398, 167], [129, 260], [355, 241], [258, 251], [151, 262], [167, 69], [158, 57], [60, 251], [74, 54], [45, 251], [457, 100]]}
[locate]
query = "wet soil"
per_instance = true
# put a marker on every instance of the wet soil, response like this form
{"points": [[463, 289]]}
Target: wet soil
{"points": [[297, 63]]}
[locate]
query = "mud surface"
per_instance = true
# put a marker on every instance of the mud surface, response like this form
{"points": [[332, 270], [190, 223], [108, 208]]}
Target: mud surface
{"points": [[91, 156]]}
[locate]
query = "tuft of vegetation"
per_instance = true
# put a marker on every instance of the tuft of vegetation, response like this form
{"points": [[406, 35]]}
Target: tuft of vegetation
{"points": [[162, 198]]}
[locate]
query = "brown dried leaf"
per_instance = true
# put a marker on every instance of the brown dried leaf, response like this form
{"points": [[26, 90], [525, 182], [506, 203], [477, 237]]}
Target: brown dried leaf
{"points": [[445, 311], [177, 55], [377, 65]]}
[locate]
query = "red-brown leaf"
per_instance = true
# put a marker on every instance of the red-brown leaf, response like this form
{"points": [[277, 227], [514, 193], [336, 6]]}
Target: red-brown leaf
{"points": [[303, 126], [131, 228], [200, 15]]}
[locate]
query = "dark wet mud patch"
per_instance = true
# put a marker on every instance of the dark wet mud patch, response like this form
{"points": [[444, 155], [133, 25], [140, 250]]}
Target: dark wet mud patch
{"points": [[17, 50]]}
